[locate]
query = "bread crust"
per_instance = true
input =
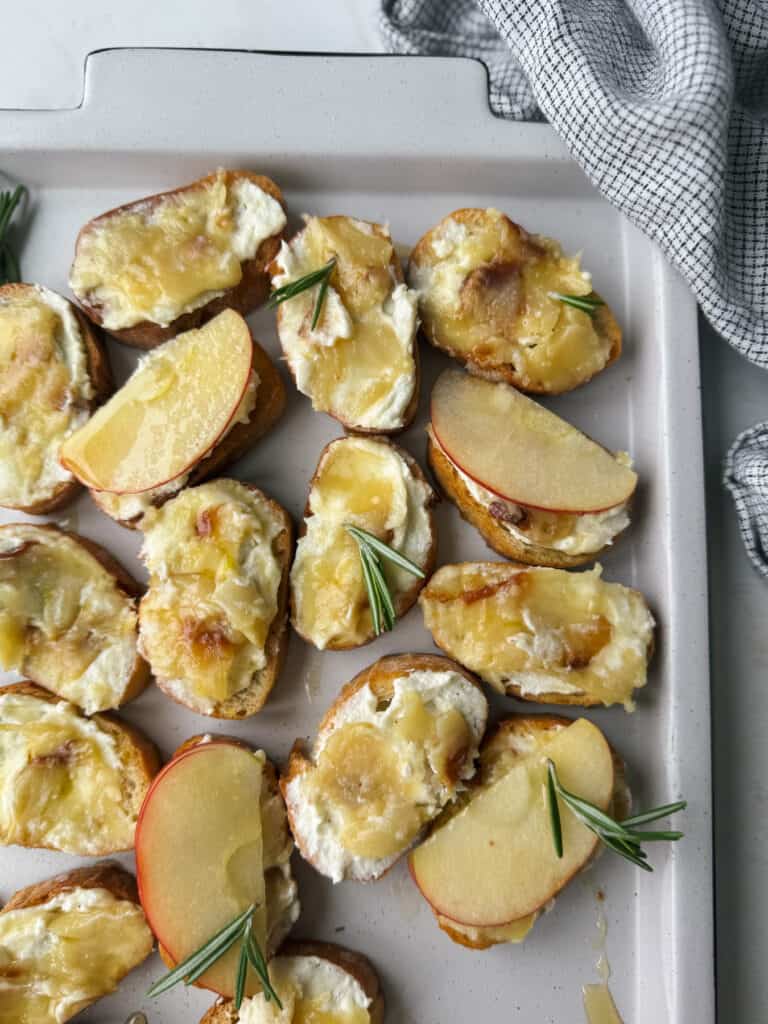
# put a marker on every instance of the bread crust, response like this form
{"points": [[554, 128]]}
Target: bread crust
{"points": [[409, 413], [100, 376], [252, 699], [269, 406], [404, 600], [251, 291], [380, 677], [355, 964], [139, 755], [496, 537], [604, 319], [139, 677], [106, 874]]}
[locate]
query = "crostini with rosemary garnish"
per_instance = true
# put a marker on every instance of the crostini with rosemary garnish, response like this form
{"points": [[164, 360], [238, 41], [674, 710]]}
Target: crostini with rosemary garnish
{"points": [[167, 263], [548, 792], [347, 323], [366, 546], [214, 821], [510, 305], [396, 746], [314, 981]]}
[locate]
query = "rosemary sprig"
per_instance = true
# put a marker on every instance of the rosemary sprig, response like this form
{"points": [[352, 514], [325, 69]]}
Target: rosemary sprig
{"points": [[620, 836], [586, 303], [302, 284], [372, 551], [10, 270], [197, 963]]}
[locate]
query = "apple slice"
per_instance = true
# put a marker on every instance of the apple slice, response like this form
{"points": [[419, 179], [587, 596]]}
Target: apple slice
{"points": [[169, 414], [521, 451], [494, 862], [199, 853]]}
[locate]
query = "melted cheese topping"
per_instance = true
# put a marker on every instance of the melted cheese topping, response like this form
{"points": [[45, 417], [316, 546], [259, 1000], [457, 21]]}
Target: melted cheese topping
{"points": [[159, 258], [367, 484], [358, 363], [131, 508], [383, 769], [214, 579], [485, 289], [64, 622], [44, 392], [573, 534], [312, 991], [60, 779], [541, 631], [57, 958]]}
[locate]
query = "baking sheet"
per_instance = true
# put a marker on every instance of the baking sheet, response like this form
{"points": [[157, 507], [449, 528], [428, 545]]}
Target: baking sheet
{"points": [[407, 140]]}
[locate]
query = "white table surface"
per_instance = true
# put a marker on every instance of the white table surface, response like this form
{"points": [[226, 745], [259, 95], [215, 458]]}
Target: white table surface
{"points": [[42, 49]]}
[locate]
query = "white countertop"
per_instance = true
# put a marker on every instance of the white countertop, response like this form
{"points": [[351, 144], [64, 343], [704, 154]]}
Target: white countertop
{"points": [[42, 50]]}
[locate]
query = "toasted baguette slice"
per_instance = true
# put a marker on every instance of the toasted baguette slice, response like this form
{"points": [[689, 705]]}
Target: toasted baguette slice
{"points": [[487, 296], [214, 622], [164, 264], [53, 374], [68, 617], [377, 486], [360, 363], [92, 933], [281, 891], [512, 741], [68, 782], [260, 405], [544, 635], [312, 976], [393, 750]]}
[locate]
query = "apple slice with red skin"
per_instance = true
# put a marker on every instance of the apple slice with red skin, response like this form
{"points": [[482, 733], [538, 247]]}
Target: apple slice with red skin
{"points": [[521, 451], [199, 854], [169, 414], [494, 861]]}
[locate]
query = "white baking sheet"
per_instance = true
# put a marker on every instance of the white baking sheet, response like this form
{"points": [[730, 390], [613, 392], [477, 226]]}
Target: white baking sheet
{"points": [[406, 140]]}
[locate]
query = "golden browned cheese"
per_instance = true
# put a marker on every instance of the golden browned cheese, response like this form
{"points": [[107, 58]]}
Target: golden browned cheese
{"points": [[358, 363], [369, 484], [487, 293], [214, 579], [64, 621], [44, 392], [542, 633], [154, 260], [58, 957]]}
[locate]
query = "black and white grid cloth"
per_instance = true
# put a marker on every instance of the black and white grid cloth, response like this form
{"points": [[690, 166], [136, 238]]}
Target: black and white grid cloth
{"points": [[664, 104]]}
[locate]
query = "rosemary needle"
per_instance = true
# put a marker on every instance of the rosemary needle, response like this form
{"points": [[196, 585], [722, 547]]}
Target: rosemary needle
{"points": [[620, 836], [586, 303], [372, 551], [303, 284], [10, 270]]}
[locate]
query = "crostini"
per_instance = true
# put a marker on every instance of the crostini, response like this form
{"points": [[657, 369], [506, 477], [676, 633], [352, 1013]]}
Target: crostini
{"points": [[68, 617], [315, 981], [69, 941], [544, 635], [214, 822], [393, 750], [165, 264], [357, 360], [510, 305], [68, 782], [488, 868], [538, 490], [190, 408], [53, 374], [374, 485], [213, 623]]}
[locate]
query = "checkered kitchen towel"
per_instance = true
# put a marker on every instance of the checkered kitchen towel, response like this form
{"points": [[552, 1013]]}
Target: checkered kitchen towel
{"points": [[664, 103]]}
